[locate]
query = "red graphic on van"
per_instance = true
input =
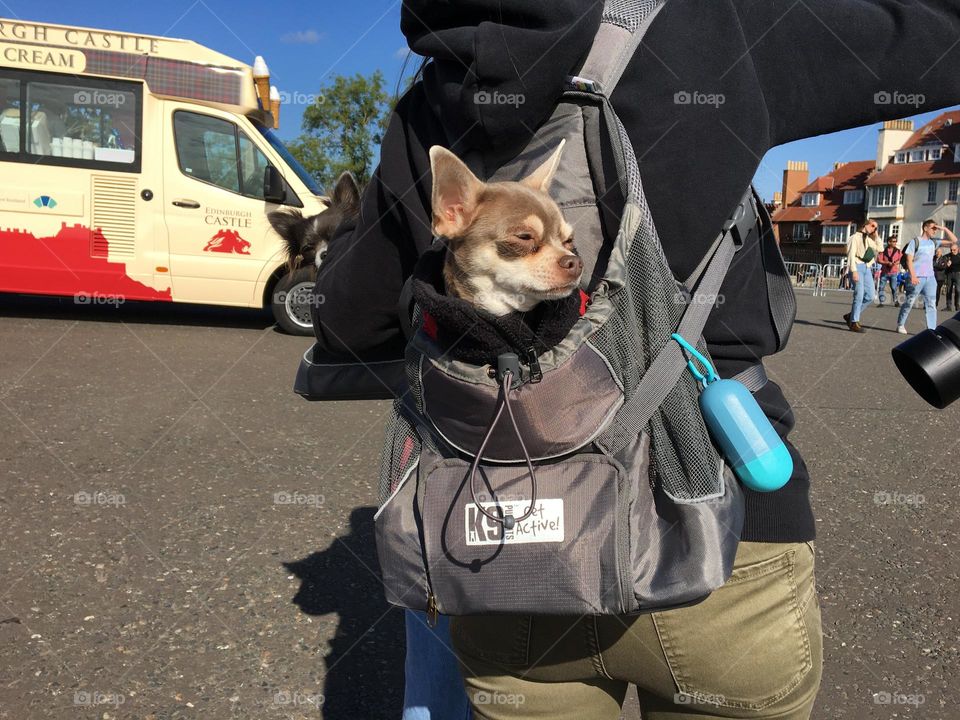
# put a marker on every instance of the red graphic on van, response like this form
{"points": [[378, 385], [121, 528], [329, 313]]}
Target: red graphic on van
{"points": [[72, 262], [228, 241]]}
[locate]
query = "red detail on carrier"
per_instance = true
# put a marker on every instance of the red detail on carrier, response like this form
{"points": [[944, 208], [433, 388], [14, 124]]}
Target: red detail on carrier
{"points": [[72, 262], [430, 326], [228, 241], [584, 301]]}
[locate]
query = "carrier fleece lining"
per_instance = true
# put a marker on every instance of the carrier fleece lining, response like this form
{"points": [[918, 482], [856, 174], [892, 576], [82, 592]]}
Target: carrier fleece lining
{"points": [[475, 336]]}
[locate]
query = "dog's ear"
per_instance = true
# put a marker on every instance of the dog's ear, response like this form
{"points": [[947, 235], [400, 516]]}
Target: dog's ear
{"points": [[346, 193], [284, 221], [455, 193], [540, 178]]}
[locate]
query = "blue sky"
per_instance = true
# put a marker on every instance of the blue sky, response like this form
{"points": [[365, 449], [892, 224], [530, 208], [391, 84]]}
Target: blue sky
{"points": [[306, 43]]}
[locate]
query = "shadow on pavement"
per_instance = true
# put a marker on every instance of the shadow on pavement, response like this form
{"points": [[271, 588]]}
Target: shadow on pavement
{"points": [[132, 311], [364, 667]]}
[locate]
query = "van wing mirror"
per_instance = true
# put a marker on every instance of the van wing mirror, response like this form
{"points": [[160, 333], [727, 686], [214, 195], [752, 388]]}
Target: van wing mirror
{"points": [[274, 189]]}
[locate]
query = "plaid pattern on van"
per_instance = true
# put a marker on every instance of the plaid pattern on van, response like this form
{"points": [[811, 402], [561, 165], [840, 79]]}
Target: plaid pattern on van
{"points": [[177, 78]]}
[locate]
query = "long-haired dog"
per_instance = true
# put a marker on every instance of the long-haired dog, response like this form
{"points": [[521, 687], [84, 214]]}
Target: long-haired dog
{"points": [[306, 238]]}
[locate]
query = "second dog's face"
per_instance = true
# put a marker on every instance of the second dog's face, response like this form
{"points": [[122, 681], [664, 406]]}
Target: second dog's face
{"points": [[509, 246]]}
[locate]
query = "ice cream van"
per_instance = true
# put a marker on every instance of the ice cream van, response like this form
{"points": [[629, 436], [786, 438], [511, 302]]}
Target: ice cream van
{"points": [[135, 167]]}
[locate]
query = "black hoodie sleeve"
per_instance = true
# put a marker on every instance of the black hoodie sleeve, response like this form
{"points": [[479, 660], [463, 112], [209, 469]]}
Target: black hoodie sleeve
{"points": [[367, 262], [826, 65]]}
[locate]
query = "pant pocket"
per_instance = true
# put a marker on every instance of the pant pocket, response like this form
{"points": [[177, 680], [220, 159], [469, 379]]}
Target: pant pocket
{"points": [[500, 639], [747, 645]]}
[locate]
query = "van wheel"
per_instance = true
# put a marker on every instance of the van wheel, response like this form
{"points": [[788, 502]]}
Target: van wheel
{"points": [[291, 300]]}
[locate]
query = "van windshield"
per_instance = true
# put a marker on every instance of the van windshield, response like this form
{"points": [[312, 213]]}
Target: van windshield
{"points": [[277, 144]]}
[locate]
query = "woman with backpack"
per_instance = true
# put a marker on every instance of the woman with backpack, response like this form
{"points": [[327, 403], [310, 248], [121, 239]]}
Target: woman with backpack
{"points": [[696, 119]]}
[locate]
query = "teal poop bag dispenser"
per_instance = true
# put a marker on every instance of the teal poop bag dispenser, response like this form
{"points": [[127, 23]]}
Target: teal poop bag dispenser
{"points": [[744, 435]]}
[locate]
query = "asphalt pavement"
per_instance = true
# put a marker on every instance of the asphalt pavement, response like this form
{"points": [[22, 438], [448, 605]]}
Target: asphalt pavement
{"points": [[182, 537]]}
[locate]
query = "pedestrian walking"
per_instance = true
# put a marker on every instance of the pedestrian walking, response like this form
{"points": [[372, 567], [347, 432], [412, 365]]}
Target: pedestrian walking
{"points": [[889, 261], [951, 263], [919, 257], [939, 272], [863, 247]]}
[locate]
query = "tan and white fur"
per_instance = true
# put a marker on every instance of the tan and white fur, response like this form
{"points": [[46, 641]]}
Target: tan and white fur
{"points": [[508, 245]]}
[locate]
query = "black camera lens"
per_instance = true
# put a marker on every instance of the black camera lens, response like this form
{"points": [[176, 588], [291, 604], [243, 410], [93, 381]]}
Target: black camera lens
{"points": [[930, 362]]}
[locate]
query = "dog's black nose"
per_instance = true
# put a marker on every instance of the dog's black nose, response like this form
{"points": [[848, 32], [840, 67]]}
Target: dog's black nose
{"points": [[571, 263]]}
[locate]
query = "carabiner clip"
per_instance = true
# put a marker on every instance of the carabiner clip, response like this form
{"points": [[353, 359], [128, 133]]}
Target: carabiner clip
{"points": [[703, 379]]}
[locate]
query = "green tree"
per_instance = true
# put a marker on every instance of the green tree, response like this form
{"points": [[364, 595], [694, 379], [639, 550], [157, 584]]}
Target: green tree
{"points": [[343, 128]]}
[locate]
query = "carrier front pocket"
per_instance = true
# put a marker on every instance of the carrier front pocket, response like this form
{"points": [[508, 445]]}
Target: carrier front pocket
{"points": [[561, 560]]}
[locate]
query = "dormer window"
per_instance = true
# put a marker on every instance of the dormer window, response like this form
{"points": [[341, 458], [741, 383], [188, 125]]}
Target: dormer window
{"points": [[916, 155], [901, 157], [810, 199], [853, 197]]}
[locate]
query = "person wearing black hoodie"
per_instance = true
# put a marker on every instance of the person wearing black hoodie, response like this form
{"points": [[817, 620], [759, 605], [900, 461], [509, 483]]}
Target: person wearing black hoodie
{"points": [[786, 70]]}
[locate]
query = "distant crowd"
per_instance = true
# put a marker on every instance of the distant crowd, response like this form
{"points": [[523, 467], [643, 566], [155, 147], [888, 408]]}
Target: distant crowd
{"points": [[922, 269]]}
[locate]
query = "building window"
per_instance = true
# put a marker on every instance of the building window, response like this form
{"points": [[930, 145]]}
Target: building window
{"points": [[810, 199], [949, 225], [883, 230], [895, 229], [903, 189], [901, 157], [916, 155], [935, 153], [952, 190], [883, 195], [853, 197], [801, 231], [835, 234], [932, 191]]}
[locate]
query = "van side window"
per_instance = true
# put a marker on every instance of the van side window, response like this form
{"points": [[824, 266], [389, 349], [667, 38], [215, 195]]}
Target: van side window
{"points": [[9, 115], [218, 152], [81, 122], [253, 163], [207, 149]]}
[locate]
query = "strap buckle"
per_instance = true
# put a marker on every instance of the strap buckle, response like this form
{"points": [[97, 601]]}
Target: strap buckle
{"points": [[575, 82], [743, 220]]}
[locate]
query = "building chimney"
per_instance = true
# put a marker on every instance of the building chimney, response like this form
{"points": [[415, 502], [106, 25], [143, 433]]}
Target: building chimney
{"points": [[795, 178], [891, 137], [778, 199]]}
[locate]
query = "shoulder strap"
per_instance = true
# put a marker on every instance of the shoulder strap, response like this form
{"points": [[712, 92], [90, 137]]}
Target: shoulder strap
{"points": [[622, 27]]}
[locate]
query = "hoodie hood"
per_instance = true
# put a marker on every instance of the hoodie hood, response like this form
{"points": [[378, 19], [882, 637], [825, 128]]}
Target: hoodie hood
{"points": [[498, 65]]}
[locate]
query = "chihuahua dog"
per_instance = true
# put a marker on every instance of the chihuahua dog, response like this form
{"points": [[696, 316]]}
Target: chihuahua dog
{"points": [[306, 238], [508, 245]]}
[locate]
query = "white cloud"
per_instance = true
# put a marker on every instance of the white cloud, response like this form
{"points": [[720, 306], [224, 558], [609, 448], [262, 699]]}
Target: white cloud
{"points": [[302, 37], [402, 53]]}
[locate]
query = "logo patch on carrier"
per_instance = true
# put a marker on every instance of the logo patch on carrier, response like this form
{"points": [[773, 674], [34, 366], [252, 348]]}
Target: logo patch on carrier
{"points": [[545, 523]]}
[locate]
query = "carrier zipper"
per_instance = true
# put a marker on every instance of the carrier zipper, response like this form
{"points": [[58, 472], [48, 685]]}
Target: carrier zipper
{"points": [[433, 612], [531, 361]]}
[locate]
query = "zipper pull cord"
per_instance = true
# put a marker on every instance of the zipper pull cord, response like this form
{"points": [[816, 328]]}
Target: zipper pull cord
{"points": [[503, 401]]}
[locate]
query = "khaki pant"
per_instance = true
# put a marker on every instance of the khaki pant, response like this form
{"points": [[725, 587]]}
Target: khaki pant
{"points": [[753, 649]]}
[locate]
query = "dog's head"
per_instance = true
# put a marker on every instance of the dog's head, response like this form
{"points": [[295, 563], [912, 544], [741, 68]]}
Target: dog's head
{"points": [[509, 246], [306, 238]]}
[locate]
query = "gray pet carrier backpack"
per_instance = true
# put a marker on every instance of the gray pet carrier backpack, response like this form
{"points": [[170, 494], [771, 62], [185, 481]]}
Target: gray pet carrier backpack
{"points": [[582, 481]]}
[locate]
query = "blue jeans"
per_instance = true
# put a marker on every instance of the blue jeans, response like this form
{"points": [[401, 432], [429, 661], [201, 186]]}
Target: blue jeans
{"points": [[894, 286], [928, 288], [434, 687], [862, 291]]}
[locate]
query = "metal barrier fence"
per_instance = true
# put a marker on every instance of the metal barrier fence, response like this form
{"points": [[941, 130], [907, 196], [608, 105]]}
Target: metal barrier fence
{"points": [[806, 276]]}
